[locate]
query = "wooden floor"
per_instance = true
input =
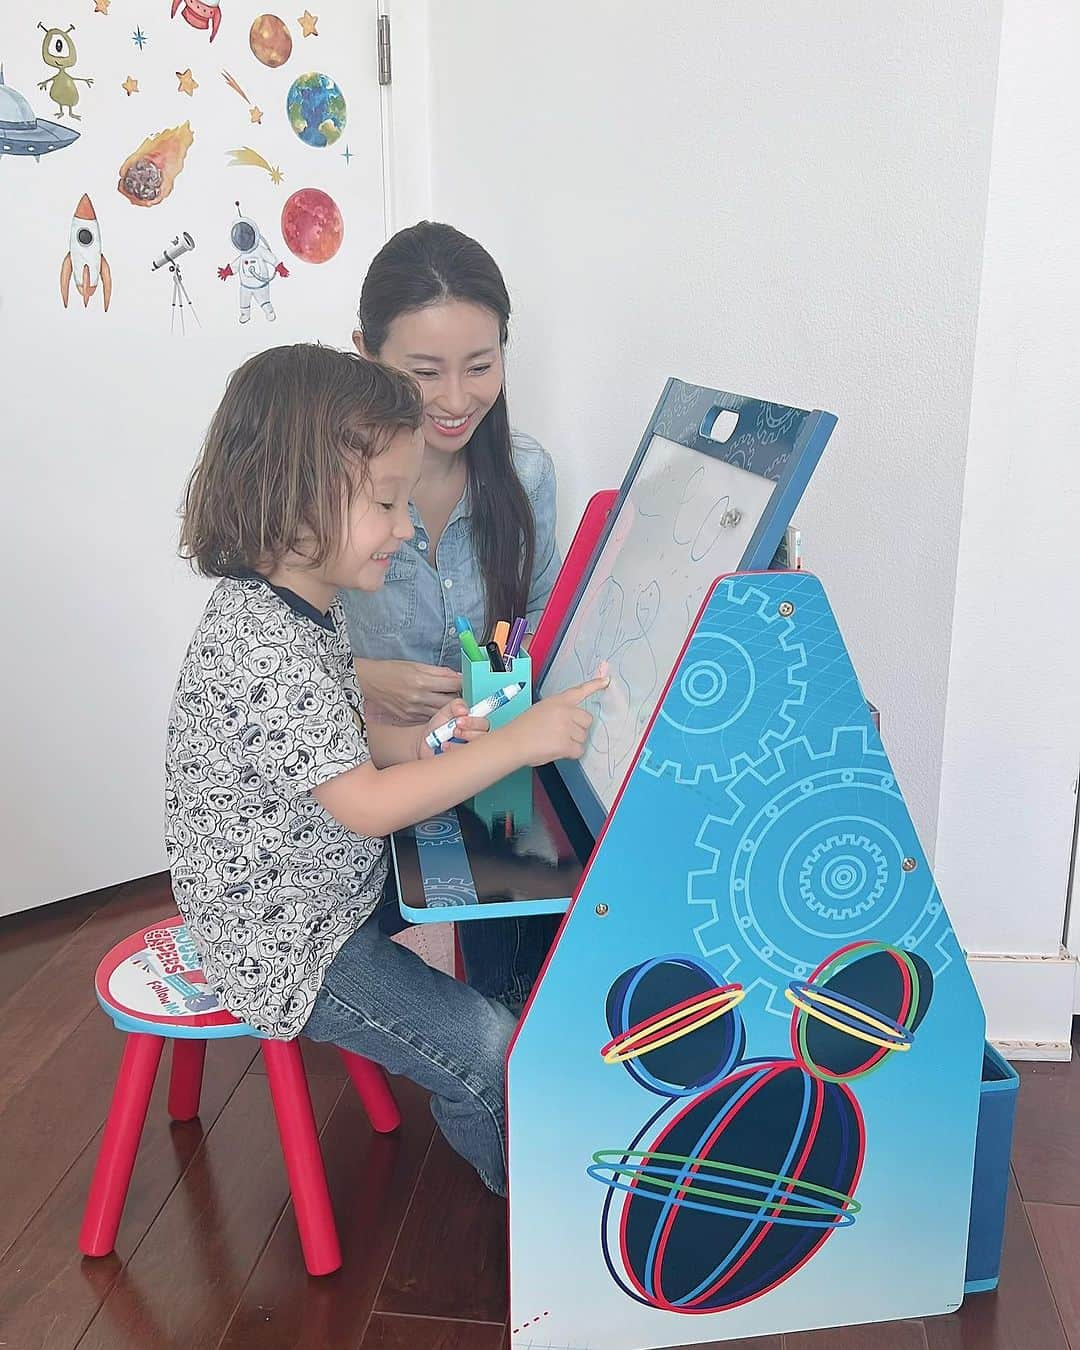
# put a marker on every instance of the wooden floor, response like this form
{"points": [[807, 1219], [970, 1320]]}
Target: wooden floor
{"points": [[208, 1256]]}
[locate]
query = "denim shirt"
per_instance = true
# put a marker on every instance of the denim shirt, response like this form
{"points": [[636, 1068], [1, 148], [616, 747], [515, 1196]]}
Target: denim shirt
{"points": [[411, 616]]}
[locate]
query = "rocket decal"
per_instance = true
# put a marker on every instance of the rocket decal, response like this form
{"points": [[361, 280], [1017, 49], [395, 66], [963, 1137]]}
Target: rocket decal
{"points": [[85, 261]]}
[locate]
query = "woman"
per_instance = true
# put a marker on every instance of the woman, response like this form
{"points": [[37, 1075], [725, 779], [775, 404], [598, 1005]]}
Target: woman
{"points": [[434, 303]]}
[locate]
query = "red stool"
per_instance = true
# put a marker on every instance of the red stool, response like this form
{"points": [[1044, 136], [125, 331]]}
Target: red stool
{"points": [[153, 989]]}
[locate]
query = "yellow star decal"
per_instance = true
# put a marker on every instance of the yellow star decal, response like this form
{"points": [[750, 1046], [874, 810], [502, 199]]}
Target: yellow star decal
{"points": [[187, 82], [130, 86], [307, 22], [102, 6], [256, 114]]}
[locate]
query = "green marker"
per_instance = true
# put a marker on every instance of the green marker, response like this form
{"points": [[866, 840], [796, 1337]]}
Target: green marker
{"points": [[469, 644]]}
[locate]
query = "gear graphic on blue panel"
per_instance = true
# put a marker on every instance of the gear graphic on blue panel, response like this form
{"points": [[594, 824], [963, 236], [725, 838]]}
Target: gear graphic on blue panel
{"points": [[702, 716], [443, 829], [774, 421], [446, 892], [810, 855], [843, 876]]}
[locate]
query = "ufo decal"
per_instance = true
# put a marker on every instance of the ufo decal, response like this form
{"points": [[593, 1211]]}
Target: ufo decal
{"points": [[21, 133]]}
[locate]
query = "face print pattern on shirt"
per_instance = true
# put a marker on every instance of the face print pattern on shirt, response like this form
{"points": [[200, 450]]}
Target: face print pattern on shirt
{"points": [[266, 708]]}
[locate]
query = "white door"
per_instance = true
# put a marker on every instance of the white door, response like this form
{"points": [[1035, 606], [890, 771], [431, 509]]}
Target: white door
{"points": [[103, 412]]}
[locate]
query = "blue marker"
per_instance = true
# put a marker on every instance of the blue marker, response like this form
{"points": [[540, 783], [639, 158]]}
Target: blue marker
{"points": [[438, 738]]}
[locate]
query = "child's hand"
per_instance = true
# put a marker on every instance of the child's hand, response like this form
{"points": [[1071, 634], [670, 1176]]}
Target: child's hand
{"points": [[556, 727], [467, 729]]}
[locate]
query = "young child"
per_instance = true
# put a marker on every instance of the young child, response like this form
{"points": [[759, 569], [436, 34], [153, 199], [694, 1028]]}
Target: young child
{"points": [[278, 794]]}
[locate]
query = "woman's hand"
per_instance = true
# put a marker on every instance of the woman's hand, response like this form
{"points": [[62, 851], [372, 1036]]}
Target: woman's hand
{"points": [[466, 728], [406, 691]]}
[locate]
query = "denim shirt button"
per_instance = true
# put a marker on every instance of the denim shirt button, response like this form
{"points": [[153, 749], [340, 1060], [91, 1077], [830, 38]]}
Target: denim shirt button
{"points": [[421, 544], [448, 583]]}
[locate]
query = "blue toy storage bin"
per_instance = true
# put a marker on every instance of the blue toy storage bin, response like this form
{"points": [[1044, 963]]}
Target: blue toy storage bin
{"points": [[990, 1184]]}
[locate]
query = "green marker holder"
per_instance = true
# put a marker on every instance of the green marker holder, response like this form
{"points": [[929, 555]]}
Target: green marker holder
{"points": [[511, 796]]}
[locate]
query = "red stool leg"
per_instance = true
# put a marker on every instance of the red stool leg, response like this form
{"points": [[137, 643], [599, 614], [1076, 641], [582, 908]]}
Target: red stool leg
{"points": [[303, 1157], [119, 1144], [374, 1091], [185, 1080]]}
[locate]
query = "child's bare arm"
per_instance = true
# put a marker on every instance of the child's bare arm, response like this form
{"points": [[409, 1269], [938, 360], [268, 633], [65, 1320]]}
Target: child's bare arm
{"points": [[373, 801], [393, 745]]}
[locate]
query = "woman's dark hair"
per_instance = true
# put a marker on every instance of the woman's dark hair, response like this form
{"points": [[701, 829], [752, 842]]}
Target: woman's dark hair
{"points": [[428, 264], [288, 445]]}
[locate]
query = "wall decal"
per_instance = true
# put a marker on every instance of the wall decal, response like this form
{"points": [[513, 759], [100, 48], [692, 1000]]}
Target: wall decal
{"points": [[255, 266], [58, 51], [316, 108], [270, 41], [170, 258], [200, 14], [148, 174], [84, 260], [254, 112], [312, 226], [21, 133], [248, 158]]}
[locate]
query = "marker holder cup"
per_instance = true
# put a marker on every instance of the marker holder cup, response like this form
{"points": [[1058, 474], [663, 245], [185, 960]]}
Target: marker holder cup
{"points": [[479, 681], [512, 796]]}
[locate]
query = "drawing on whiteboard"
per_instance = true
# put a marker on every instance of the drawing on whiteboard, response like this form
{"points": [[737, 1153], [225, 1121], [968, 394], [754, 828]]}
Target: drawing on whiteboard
{"points": [[686, 520], [627, 651]]}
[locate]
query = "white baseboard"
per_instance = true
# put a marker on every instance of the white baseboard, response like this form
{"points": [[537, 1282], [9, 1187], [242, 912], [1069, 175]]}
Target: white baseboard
{"points": [[1060, 1051], [1029, 1002]]}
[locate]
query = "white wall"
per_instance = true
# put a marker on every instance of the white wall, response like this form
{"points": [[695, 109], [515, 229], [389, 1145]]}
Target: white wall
{"points": [[103, 414], [1012, 736], [784, 201]]}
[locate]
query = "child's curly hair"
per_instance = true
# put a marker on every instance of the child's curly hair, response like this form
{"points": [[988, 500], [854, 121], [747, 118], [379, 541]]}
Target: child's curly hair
{"points": [[285, 452]]}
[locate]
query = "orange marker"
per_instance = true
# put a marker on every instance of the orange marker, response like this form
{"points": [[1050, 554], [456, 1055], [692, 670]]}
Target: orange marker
{"points": [[502, 632]]}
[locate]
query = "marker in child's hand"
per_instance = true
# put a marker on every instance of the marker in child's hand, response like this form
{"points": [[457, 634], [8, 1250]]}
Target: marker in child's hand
{"points": [[437, 739]]}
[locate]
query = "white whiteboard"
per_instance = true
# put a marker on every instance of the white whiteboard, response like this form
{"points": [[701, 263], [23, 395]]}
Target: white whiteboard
{"points": [[675, 533]]}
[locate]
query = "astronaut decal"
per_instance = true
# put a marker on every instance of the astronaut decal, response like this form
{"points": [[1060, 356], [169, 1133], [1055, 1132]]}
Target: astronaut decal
{"points": [[255, 267]]}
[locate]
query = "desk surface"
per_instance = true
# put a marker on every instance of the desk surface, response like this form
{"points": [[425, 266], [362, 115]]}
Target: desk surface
{"points": [[485, 861]]}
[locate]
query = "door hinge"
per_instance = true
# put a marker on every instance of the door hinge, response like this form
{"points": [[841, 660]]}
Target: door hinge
{"points": [[384, 49]]}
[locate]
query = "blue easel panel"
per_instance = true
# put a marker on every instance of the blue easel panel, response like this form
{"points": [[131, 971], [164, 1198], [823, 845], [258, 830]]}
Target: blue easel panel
{"points": [[744, 1098]]}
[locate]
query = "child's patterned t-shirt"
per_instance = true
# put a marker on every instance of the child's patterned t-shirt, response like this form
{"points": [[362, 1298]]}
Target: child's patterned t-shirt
{"points": [[270, 885]]}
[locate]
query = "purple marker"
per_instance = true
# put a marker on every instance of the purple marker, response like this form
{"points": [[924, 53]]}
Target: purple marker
{"points": [[517, 633]]}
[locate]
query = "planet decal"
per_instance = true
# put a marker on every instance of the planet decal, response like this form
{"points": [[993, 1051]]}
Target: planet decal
{"points": [[674, 1025], [722, 1198], [862, 1004], [311, 225], [316, 108], [270, 41]]}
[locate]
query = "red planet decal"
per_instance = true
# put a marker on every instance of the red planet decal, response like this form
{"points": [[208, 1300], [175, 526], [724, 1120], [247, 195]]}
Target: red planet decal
{"points": [[311, 225]]}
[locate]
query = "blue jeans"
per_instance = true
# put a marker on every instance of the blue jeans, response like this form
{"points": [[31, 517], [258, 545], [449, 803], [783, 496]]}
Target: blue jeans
{"points": [[380, 1000], [503, 956]]}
